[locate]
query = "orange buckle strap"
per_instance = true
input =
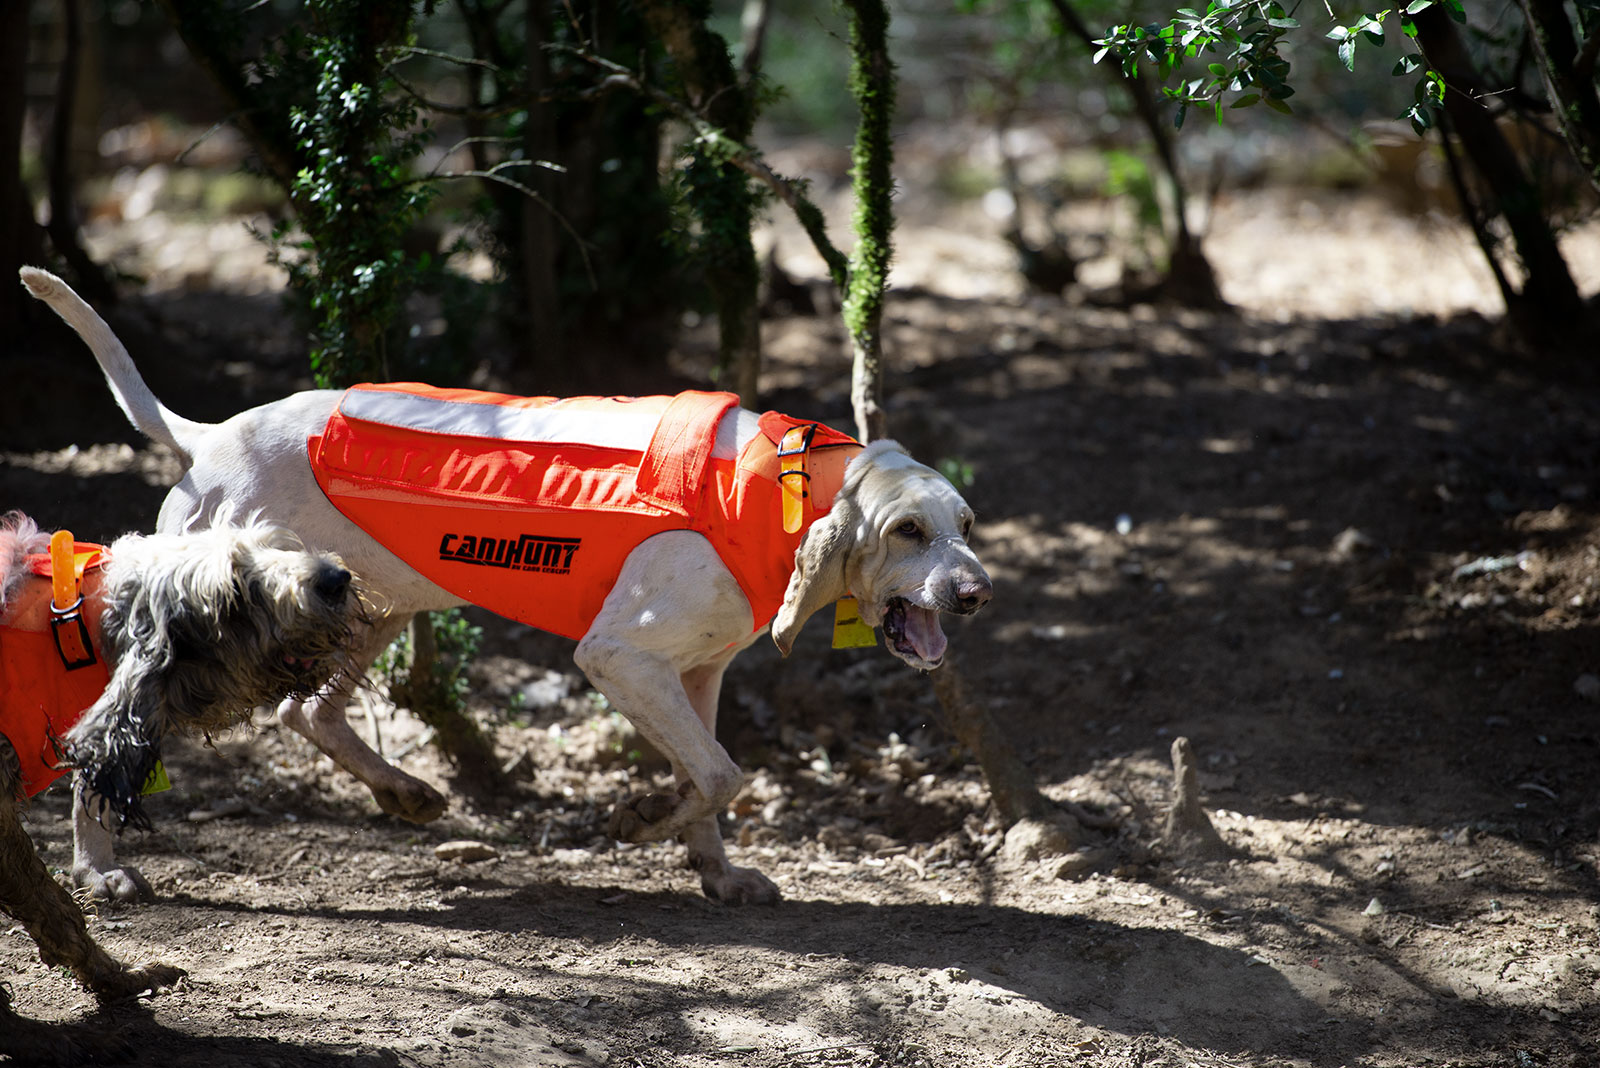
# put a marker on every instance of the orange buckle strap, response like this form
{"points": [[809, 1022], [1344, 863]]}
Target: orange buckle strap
{"points": [[66, 603], [793, 477]]}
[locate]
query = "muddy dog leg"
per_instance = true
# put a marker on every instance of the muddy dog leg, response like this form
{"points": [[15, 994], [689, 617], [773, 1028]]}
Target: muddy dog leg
{"points": [[94, 854], [48, 913]]}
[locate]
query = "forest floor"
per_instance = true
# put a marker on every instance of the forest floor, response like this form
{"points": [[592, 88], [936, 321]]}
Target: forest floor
{"points": [[1340, 537]]}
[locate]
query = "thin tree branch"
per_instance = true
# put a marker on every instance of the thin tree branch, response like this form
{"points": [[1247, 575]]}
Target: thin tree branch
{"points": [[789, 190], [513, 104], [493, 175]]}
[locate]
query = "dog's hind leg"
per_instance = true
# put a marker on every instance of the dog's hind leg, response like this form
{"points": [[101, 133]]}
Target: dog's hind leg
{"points": [[94, 855], [48, 913], [323, 722]]}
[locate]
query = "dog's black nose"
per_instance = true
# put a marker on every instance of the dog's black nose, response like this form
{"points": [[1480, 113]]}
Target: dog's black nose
{"points": [[332, 584], [973, 593]]}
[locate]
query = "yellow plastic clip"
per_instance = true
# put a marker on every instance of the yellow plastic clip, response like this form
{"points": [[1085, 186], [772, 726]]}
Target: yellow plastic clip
{"points": [[63, 572], [66, 603], [848, 630], [793, 477]]}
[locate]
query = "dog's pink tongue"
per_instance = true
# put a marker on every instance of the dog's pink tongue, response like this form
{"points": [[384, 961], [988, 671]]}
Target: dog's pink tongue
{"points": [[924, 633]]}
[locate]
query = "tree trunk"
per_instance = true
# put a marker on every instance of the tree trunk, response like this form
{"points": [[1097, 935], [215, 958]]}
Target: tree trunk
{"points": [[1572, 92], [427, 693], [539, 144], [19, 235], [268, 132], [1548, 308], [63, 225], [1190, 278], [719, 192], [872, 159]]}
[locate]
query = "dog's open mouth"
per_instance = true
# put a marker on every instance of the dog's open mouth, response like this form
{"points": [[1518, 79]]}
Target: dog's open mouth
{"points": [[914, 633], [307, 672]]}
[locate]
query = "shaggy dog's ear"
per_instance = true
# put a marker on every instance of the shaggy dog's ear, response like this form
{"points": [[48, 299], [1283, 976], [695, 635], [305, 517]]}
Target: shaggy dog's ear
{"points": [[819, 573], [117, 743]]}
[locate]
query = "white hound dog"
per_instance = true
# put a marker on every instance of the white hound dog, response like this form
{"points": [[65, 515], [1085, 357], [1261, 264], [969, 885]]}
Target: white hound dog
{"points": [[674, 610]]}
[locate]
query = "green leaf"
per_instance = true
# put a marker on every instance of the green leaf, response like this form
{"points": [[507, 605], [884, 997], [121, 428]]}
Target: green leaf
{"points": [[1347, 53], [1218, 69], [1418, 5], [1246, 100], [1277, 105], [1177, 120], [1283, 24]]}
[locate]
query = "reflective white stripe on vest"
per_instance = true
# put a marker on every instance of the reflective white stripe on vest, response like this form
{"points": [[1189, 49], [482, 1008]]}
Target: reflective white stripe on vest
{"points": [[589, 426], [611, 426]]}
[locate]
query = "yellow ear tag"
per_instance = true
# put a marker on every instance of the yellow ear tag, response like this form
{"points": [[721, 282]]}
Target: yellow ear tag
{"points": [[848, 630], [157, 781]]}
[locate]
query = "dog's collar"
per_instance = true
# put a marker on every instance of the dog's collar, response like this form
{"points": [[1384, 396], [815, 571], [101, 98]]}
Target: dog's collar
{"points": [[65, 566], [811, 463]]}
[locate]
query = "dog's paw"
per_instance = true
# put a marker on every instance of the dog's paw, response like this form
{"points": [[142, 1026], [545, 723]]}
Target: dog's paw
{"points": [[642, 818], [131, 982], [410, 799], [124, 886], [739, 886]]}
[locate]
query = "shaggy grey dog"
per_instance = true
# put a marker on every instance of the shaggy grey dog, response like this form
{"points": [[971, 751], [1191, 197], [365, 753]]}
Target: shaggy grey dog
{"points": [[195, 630]]}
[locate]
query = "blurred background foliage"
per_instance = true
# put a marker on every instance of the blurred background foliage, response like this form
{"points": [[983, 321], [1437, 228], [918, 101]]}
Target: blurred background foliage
{"points": [[509, 202]]}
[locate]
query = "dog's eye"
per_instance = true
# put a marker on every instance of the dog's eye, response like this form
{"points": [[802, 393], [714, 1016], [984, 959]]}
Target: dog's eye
{"points": [[909, 529], [966, 526]]}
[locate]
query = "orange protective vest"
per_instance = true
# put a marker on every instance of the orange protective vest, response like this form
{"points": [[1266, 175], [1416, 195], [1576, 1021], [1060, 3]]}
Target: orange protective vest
{"points": [[40, 697], [528, 506]]}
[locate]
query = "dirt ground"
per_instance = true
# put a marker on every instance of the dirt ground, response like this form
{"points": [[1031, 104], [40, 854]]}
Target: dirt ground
{"points": [[1340, 539]]}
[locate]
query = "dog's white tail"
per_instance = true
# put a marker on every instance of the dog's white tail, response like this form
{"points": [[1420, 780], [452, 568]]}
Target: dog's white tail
{"points": [[149, 415]]}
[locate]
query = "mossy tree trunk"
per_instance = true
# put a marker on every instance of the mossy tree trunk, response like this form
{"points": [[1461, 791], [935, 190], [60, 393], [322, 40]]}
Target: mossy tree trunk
{"points": [[872, 84]]}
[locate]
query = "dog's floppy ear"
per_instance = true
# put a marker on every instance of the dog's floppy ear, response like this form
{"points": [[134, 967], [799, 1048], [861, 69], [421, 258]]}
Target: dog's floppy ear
{"points": [[819, 574], [117, 743]]}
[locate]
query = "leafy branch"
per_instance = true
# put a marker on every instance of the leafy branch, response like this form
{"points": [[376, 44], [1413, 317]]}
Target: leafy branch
{"points": [[1249, 69]]}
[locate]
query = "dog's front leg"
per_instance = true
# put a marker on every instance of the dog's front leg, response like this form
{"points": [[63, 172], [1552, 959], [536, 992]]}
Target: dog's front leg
{"points": [[672, 621], [322, 721], [94, 854], [720, 880]]}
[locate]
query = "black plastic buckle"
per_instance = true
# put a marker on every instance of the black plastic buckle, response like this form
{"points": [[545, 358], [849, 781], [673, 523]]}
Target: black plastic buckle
{"points": [[61, 620], [799, 450]]}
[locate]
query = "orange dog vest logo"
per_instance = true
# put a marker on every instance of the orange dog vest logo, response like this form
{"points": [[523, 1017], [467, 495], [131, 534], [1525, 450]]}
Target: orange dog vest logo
{"points": [[526, 552]]}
